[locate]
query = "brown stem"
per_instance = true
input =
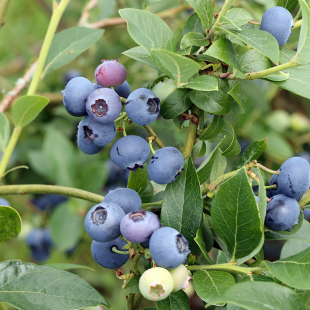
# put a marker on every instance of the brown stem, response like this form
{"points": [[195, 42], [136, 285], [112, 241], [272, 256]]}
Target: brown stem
{"points": [[86, 12], [152, 133]]}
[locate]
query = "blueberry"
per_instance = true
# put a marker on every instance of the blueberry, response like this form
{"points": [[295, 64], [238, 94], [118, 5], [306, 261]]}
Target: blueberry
{"points": [[138, 226], [103, 105], [165, 165], [36, 240], [123, 90], [99, 134], [275, 181], [110, 73], [102, 222], [156, 284], [168, 248], [84, 143], [4, 202], [47, 238], [306, 213], [142, 106], [128, 199], [180, 278], [75, 95], [256, 198], [294, 177], [130, 152], [71, 74], [48, 202], [278, 21], [104, 256], [282, 213], [116, 174]]}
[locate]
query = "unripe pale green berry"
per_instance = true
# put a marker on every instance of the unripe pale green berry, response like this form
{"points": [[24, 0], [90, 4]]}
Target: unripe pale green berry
{"points": [[163, 89], [180, 278], [156, 284]]}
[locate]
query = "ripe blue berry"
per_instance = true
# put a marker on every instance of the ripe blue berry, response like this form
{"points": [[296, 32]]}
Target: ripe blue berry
{"points": [[165, 165], [138, 226], [294, 177], [48, 202], [275, 181], [156, 284], [37, 240], [99, 134], [282, 213], [104, 256], [278, 21], [71, 74], [4, 202], [142, 106], [168, 248], [123, 90], [130, 152], [102, 222], [128, 199], [180, 278], [104, 105], [110, 73], [75, 95]]}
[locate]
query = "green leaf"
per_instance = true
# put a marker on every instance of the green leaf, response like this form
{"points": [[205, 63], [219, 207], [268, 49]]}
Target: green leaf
{"points": [[219, 166], [141, 54], [150, 2], [278, 76], [175, 104], [292, 247], [182, 205], [253, 61], [302, 55], [139, 182], [193, 24], [4, 131], [202, 150], [27, 108], [194, 39], [66, 227], [175, 301], [290, 5], [205, 10], [148, 30], [203, 83], [213, 102], [252, 152], [236, 94], [230, 143], [10, 223], [132, 286], [211, 284], [230, 211], [177, 67], [213, 129], [224, 50], [27, 286], [293, 271], [261, 296], [260, 40], [236, 17], [68, 44], [65, 266], [305, 296]]}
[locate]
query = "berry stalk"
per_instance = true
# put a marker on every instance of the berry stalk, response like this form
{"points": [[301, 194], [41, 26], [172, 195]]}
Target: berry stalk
{"points": [[152, 133]]}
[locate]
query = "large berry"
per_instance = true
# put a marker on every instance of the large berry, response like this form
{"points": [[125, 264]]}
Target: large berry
{"points": [[165, 165], [123, 90], [278, 21], [142, 106], [156, 284], [99, 134], [180, 278], [168, 248], [104, 256], [110, 73], [128, 199], [102, 221], [75, 95], [130, 152], [104, 105], [138, 226], [4, 202], [275, 181], [294, 177], [84, 143], [282, 213]]}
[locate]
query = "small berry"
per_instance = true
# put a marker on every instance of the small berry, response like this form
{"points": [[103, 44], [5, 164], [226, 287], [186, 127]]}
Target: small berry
{"points": [[123, 90], [110, 73], [180, 278], [275, 181], [156, 284], [102, 221], [138, 226], [40, 243]]}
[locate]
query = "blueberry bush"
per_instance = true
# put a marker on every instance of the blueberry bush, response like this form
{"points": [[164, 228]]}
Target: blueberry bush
{"points": [[166, 174]]}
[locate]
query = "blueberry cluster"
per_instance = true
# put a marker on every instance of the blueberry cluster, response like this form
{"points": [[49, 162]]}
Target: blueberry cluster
{"points": [[119, 220], [291, 184]]}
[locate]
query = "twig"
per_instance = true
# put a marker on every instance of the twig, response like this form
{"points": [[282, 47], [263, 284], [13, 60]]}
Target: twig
{"points": [[3, 7], [152, 133], [86, 12]]}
